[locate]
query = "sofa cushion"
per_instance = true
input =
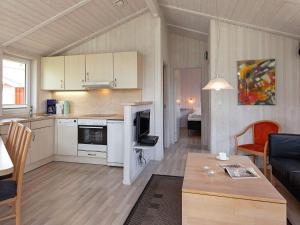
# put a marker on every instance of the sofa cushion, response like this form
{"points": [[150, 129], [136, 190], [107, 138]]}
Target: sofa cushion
{"points": [[284, 145], [8, 189], [282, 168], [295, 183], [6, 176]]}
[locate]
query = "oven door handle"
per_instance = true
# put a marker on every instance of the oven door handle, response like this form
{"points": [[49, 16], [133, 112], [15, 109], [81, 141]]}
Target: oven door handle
{"points": [[90, 127]]}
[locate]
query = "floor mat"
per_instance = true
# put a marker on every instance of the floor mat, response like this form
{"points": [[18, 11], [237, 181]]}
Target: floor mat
{"points": [[159, 204]]}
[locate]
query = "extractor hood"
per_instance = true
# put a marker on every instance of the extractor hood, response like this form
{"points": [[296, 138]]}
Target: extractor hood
{"points": [[96, 85]]}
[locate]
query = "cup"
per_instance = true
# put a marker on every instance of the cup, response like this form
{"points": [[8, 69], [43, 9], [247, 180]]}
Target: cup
{"points": [[222, 155]]}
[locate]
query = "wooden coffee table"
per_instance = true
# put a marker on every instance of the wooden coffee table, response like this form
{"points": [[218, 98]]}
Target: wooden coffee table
{"points": [[220, 200]]}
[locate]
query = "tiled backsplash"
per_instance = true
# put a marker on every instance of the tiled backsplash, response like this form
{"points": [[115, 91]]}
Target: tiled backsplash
{"points": [[98, 101]]}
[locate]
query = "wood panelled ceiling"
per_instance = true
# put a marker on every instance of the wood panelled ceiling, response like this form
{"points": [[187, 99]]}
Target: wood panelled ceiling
{"points": [[279, 15], [43, 27], [19, 16]]}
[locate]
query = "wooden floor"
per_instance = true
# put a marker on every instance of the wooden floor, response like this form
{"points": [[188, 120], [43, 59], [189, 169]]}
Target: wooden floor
{"points": [[81, 194]]}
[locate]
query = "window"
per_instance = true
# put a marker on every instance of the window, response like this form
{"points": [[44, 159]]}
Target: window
{"points": [[15, 81]]}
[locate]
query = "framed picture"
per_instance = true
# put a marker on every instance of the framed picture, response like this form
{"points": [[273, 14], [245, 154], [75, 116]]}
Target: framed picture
{"points": [[256, 82]]}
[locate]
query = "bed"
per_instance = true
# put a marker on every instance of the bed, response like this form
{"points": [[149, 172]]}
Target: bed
{"points": [[194, 122]]}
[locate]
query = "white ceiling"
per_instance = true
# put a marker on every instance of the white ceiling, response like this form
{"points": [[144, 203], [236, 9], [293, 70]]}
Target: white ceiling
{"points": [[277, 15], [43, 27]]}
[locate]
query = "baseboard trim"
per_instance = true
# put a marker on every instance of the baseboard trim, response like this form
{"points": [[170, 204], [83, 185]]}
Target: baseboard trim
{"points": [[35, 165], [76, 159]]}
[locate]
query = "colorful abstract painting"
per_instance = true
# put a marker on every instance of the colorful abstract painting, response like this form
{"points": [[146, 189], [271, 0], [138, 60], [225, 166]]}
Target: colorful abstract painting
{"points": [[256, 82]]}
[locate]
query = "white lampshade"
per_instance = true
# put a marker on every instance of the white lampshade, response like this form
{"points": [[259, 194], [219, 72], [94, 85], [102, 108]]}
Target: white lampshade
{"points": [[218, 84]]}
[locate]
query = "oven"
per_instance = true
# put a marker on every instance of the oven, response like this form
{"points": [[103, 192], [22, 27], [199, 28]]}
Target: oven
{"points": [[92, 135]]}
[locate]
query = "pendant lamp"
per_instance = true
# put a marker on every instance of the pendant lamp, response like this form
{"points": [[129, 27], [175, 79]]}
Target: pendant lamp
{"points": [[218, 83]]}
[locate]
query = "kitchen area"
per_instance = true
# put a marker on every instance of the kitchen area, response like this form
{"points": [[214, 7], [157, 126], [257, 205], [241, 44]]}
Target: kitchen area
{"points": [[83, 118], [94, 139]]}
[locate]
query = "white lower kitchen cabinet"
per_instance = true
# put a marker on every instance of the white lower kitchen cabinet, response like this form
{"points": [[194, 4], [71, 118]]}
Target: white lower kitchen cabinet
{"points": [[42, 146], [115, 143], [66, 137]]}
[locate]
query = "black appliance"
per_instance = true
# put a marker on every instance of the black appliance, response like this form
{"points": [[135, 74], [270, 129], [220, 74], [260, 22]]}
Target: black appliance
{"points": [[92, 135], [51, 106], [143, 129]]}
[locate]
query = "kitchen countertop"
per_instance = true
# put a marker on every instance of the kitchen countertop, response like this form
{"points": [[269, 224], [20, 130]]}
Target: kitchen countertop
{"points": [[5, 120], [137, 103]]}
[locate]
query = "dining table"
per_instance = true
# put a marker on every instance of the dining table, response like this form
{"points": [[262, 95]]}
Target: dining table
{"points": [[6, 165]]}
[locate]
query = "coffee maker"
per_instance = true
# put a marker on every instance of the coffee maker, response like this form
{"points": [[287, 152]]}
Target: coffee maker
{"points": [[51, 106]]}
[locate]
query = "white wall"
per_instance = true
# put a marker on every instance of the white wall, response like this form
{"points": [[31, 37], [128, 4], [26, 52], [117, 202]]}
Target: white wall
{"points": [[137, 34], [185, 52], [167, 95], [240, 43], [132, 168], [190, 85], [141, 34]]}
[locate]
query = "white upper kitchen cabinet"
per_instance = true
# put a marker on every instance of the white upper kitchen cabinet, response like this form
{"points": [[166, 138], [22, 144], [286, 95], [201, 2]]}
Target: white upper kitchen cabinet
{"points": [[99, 67], [74, 72], [53, 73], [128, 70]]}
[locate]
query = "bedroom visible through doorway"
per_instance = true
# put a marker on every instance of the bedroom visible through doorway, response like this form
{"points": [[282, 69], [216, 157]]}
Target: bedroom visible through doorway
{"points": [[188, 103]]}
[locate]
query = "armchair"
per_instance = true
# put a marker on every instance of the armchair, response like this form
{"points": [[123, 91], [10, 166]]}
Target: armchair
{"points": [[259, 146]]}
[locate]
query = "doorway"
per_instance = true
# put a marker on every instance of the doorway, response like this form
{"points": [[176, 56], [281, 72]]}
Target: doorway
{"points": [[188, 104]]}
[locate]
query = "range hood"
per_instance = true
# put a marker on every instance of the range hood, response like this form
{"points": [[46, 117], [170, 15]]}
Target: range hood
{"points": [[96, 85]]}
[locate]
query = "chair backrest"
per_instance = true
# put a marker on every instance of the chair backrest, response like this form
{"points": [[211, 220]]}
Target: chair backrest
{"points": [[14, 139], [262, 129], [10, 137], [20, 155], [21, 158]]}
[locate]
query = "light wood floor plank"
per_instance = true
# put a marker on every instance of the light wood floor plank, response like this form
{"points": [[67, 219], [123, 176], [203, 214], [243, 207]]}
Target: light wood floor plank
{"points": [[81, 194]]}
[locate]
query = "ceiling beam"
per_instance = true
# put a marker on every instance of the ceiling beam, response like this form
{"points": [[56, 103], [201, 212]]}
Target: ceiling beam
{"points": [[99, 32], [153, 7], [187, 29], [10, 51], [189, 11], [46, 22]]}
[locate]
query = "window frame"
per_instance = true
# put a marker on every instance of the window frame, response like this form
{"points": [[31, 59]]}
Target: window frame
{"points": [[7, 108]]}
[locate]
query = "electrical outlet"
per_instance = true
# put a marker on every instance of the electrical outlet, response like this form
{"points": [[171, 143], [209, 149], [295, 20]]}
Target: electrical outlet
{"points": [[139, 158]]}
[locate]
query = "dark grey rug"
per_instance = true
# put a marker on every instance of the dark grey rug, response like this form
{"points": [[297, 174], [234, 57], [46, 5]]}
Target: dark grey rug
{"points": [[159, 204]]}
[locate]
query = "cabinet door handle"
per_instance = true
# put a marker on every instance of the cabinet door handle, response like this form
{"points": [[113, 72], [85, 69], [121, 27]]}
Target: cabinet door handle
{"points": [[91, 154], [115, 82], [61, 83], [87, 76]]}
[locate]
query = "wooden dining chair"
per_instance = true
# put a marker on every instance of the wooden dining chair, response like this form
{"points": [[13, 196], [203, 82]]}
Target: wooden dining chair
{"points": [[260, 134], [11, 139], [10, 144], [11, 189]]}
